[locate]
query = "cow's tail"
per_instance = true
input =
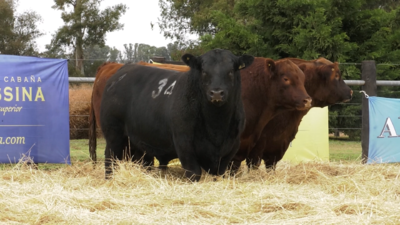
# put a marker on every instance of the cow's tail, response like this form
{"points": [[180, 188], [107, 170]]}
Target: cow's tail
{"points": [[92, 133]]}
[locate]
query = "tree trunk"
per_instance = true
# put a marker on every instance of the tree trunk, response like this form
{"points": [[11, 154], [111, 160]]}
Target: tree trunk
{"points": [[79, 58], [337, 133], [79, 41]]}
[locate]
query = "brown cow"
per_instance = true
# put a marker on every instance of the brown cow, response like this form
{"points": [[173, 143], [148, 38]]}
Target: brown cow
{"points": [[325, 86], [104, 72], [268, 88], [181, 68]]}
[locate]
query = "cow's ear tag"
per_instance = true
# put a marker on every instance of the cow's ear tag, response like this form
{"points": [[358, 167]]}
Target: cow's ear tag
{"points": [[187, 58], [333, 69], [269, 65], [242, 66]]}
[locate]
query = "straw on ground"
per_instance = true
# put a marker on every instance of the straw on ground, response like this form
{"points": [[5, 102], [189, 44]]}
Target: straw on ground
{"points": [[306, 193]]}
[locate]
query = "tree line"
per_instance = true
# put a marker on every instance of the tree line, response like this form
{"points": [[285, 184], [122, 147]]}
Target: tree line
{"points": [[339, 30], [81, 39]]}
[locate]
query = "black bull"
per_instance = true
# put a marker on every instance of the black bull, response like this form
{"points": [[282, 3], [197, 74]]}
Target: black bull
{"points": [[196, 116]]}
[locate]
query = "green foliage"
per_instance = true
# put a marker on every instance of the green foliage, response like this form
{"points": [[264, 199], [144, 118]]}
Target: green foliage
{"points": [[129, 53], [96, 56], [179, 18], [339, 30], [85, 25], [6, 22], [18, 32], [142, 52], [344, 31], [115, 55], [301, 29], [163, 52], [177, 49], [231, 35]]}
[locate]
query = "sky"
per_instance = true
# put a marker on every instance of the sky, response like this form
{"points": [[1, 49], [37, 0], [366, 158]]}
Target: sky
{"points": [[136, 20]]}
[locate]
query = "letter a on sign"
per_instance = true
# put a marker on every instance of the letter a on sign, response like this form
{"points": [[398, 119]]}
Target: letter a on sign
{"points": [[388, 127], [384, 143]]}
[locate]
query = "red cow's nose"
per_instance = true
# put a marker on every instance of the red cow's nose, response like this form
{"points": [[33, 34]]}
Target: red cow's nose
{"points": [[307, 102]]}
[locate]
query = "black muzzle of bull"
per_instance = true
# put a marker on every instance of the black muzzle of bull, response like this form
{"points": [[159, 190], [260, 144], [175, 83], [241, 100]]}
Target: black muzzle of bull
{"points": [[216, 96]]}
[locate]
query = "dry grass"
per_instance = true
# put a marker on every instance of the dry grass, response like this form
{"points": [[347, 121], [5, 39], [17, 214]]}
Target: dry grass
{"points": [[79, 106], [309, 193]]}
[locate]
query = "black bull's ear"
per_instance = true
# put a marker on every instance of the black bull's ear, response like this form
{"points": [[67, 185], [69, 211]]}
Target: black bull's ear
{"points": [[191, 60], [244, 61]]}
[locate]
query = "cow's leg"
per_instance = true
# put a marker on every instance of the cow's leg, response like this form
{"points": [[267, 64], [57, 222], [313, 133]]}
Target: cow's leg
{"points": [[114, 148], [127, 150], [148, 160], [270, 163], [135, 152], [234, 166], [227, 160], [271, 159], [254, 158], [189, 163], [183, 142], [192, 169], [125, 153], [237, 160], [275, 154], [141, 157], [108, 162]]}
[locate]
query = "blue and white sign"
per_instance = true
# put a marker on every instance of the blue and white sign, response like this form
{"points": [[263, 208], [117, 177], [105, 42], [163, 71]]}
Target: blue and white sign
{"points": [[384, 130], [34, 109]]}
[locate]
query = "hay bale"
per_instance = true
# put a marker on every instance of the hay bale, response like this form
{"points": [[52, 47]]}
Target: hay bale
{"points": [[79, 106]]}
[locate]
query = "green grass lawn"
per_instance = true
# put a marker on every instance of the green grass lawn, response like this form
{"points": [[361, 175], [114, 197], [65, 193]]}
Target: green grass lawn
{"points": [[343, 150], [340, 150], [80, 149]]}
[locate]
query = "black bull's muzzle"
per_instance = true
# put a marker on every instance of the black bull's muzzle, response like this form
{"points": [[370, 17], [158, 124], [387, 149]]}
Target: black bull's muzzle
{"points": [[216, 96]]}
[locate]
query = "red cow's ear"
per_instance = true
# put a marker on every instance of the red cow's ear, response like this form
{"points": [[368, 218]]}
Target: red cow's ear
{"points": [[303, 66], [270, 65], [327, 72]]}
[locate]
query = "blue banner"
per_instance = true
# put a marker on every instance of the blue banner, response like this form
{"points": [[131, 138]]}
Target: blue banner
{"points": [[384, 130], [34, 109]]}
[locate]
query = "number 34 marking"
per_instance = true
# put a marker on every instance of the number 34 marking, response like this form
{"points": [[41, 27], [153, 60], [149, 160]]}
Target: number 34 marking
{"points": [[162, 84]]}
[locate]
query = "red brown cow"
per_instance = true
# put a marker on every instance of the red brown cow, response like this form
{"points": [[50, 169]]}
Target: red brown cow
{"points": [[104, 72], [181, 68], [325, 86], [268, 88]]}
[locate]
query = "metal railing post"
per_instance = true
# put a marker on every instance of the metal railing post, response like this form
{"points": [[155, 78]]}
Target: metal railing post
{"points": [[368, 74]]}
